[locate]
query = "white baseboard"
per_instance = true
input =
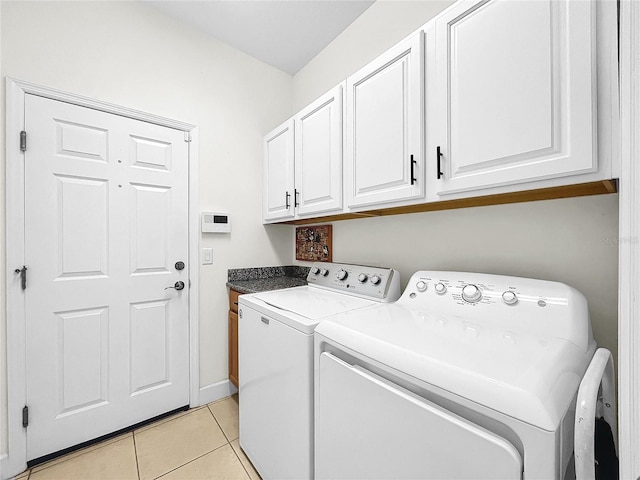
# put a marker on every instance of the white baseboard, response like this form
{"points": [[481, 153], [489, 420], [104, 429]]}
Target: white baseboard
{"points": [[216, 391]]}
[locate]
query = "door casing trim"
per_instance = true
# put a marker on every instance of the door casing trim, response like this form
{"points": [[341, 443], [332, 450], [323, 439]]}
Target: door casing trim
{"points": [[14, 459]]}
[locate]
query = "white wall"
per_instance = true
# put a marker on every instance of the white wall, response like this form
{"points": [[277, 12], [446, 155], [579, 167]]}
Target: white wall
{"points": [[131, 54], [570, 240], [381, 26]]}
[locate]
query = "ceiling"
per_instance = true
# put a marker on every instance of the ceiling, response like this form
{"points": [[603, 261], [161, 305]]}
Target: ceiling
{"points": [[286, 34]]}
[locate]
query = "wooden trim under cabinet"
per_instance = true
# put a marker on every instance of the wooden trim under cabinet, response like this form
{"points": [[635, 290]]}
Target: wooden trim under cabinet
{"points": [[566, 191]]}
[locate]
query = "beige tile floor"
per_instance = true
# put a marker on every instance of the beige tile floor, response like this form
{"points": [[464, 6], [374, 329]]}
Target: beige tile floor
{"points": [[201, 443]]}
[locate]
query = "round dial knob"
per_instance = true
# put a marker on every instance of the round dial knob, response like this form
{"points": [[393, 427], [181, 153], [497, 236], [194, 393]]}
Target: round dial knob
{"points": [[440, 288], [375, 279], [421, 286], [362, 277], [509, 297], [315, 270], [324, 272], [471, 293], [342, 274]]}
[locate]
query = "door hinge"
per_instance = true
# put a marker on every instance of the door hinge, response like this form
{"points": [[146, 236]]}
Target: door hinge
{"points": [[187, 136], [23, 141], [25, 416]]}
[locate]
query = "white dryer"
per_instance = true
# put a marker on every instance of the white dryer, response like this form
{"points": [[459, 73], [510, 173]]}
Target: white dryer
{"points": [[467, 376], [275, 350]]}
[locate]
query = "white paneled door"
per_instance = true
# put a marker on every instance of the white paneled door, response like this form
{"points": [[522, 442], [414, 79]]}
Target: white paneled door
{"points": [[107, 342]]}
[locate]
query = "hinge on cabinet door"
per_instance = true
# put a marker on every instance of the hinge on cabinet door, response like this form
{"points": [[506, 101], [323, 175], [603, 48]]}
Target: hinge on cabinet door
{"points": [[23, 141], [187, 136], [25, 416]]}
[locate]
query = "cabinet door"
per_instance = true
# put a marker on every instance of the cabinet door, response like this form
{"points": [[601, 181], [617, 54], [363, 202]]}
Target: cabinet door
{"points": [[233, 347], [384, 111], [318, 155], [277, 188], [513, 96]]}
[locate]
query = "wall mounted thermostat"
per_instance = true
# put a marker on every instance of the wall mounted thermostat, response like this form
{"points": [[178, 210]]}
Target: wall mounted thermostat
{"points": [[215, 222]]}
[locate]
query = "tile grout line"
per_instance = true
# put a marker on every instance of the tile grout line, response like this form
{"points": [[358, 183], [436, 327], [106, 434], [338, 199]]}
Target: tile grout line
{"points": [[225, 436], [135, 452], [191, 461], [229, 441], [240, 460], [219, 426]]}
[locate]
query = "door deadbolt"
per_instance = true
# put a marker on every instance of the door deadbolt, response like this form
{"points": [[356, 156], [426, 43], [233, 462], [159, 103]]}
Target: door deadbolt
{"points": [[179, 265], [179, 285]]}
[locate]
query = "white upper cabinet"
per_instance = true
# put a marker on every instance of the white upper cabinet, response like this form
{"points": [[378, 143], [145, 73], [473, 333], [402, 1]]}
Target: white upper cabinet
{"points": [[512, 93], [318, 155], [278, 174], [384, 123]]}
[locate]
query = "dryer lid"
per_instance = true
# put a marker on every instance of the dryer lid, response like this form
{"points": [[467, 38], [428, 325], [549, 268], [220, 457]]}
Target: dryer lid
{"points": [[531, 378]]}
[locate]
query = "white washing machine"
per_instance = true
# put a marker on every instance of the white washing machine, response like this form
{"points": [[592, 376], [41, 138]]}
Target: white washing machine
{"points": [[467, 376], [275, 349]]}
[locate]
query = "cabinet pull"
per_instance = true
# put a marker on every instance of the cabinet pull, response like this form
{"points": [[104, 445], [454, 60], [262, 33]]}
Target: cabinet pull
{"points": [[413, 179], [296, 203], [286, 200], [439, 156]]}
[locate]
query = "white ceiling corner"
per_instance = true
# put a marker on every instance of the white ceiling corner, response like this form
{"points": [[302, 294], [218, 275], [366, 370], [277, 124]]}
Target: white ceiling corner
{"points": [[286, 34]]}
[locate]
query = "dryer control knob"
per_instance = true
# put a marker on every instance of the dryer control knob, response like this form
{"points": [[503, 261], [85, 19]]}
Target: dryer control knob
{"points": [[375, 279], [362, 277], [324, 272], [421, 286], [315, 270], [440, 288], [342, 274], [471, 293], [509, 297]]}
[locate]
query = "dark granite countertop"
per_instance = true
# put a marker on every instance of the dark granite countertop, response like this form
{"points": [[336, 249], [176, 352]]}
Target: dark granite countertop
{"points": [[262, 279]]}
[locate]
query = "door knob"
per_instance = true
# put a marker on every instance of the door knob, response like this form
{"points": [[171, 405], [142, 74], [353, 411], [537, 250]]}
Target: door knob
{"points": [[178, 286]]}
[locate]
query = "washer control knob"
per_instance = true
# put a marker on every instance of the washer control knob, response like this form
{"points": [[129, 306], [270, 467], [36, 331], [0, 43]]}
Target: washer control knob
{"points": [[342, 274], [509, 297], [362, 277], [440, 288], [324, 272], [471, 293], [421, 286], [315, 270], [375, 279]]}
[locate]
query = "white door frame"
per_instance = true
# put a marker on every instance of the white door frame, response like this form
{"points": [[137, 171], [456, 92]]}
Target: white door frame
{"points": [[629, 243], [15, 459]]}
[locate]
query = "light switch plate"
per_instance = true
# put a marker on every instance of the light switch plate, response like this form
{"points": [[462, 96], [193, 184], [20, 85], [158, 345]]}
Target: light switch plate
{"points": [[207, 256]]}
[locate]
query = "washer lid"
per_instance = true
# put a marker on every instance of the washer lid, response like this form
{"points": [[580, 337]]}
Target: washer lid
{"points": [[533, 379], [303, 307]]}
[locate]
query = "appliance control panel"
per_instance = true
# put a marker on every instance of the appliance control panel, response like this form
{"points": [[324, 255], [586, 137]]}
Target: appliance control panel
{"points": [[539, 307], [376, 283]]}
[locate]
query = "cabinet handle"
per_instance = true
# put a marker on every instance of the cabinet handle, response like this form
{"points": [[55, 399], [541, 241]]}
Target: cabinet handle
{"points": [[296, 203], [439, 155], [413, 162], [286, 200]]}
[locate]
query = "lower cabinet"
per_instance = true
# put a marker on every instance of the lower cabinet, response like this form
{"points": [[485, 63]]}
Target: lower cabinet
{"points": [[233, 337]]}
